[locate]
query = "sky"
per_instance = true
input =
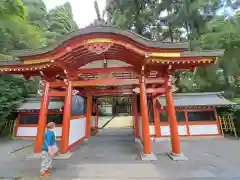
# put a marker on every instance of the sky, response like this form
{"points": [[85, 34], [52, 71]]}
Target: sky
{"points": [[83, 10]]}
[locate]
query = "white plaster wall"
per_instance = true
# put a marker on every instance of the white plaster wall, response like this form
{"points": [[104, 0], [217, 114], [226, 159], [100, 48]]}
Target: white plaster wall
{"points": [[32, 131], [151, 127], [27, 131], [203, 129], [108, 109], [93, 121], [77, 130], [121, 121], [140, 126], [58, 131], [102, 120], [165, 130], [152, 130]]}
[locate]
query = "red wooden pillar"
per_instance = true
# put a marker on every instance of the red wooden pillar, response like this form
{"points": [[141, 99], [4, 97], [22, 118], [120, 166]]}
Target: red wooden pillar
{"points": [[66, 118], [144, 113], [88, 116], [175, 140], [97, 114], [135, 115], [218, 123], [156, 117], [42, 119]]}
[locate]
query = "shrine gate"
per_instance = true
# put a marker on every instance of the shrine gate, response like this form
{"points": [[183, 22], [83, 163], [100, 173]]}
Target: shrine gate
{"points": [[105, 60]]}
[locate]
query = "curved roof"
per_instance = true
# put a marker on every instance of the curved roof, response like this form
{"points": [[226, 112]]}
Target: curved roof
{"points": [[102, 29], [104, 42], [197, 99]]}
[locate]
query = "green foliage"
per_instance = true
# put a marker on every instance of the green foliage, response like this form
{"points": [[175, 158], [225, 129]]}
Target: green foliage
{"points": [[12, 92], [196, 21], [133, 15], [15, 30], [224, 33], [26, 24], [55, 23], [60, 22]]}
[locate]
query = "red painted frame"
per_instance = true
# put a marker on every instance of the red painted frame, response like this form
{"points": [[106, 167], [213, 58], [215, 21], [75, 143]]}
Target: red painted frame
{"points": [[187, 123], [17, 125]]}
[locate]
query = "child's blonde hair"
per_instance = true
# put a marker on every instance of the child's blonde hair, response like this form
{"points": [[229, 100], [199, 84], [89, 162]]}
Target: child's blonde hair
{"points": [[51, 125]]}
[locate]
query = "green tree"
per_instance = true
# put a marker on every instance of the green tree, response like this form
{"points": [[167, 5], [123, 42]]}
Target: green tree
{"points": [[55, 23], [37, 12], [26, 24], [15, 30], [134, 15], [224, 33], [60, 22]]}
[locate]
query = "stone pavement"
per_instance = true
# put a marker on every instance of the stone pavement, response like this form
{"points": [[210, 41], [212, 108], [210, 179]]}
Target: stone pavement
{"points": [[112, 155], [208, 158]]}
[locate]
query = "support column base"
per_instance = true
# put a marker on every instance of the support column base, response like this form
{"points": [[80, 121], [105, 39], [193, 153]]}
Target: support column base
{"points": [[177, 157], [143, 156], [147, 157]]}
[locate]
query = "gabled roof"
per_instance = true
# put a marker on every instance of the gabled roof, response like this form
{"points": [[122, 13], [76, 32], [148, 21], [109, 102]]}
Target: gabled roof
{"points": [[83, 46], [106, 29], [197, 99], [34, 103]]}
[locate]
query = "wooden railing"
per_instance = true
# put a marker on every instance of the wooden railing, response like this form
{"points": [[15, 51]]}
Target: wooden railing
{"points": [[227, 124]]}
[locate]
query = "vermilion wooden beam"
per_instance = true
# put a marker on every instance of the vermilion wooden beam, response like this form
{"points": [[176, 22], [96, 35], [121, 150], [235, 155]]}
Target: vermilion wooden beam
{"points": [[106, 70], [151, 90], [109, 91], [56, 94], [158, 94], [154, 80], [105, 82], [57, 84]]}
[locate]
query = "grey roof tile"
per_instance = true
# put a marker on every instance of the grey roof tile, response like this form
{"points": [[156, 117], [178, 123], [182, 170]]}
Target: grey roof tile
{"points": [[197, 99], [34, 103]]}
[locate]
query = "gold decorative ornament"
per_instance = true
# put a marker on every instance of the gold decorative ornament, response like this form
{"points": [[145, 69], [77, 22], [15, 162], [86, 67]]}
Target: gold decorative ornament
{"points": [[164, 54]]}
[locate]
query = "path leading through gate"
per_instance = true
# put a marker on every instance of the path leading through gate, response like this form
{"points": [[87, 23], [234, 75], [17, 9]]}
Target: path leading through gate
{"points": [[114, 144], [112, 154]]}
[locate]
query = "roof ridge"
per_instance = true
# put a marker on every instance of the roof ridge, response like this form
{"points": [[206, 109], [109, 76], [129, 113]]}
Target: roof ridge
{"points": [[196, 93]]}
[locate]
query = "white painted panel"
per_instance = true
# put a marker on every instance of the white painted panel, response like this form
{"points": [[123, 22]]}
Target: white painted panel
{"points": [[27, 131], [165, 130], [32, 131], [102, 120], [95, 64], [152, 129], [140, 125], [120, 121], [117, 63], [93, 121], [203, 129], [77, 130], [58, 131], [182, 130]]}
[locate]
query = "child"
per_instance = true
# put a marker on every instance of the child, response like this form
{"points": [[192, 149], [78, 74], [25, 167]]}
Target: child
{"points": [[46, 157]]}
